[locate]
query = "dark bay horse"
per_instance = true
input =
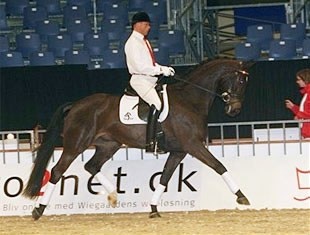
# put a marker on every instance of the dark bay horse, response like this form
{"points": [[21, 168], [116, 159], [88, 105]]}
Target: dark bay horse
{"points": [[94, 121]]}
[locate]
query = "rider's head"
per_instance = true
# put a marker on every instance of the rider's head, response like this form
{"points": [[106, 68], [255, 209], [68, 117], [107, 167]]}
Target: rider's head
{"points": [[141, 23]]}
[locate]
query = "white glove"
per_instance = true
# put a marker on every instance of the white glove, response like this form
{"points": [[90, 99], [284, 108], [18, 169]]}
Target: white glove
{"points": [[167, 71]]}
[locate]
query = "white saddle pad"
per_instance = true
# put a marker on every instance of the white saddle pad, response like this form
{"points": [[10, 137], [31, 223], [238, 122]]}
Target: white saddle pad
{"points": [[128, 109]]}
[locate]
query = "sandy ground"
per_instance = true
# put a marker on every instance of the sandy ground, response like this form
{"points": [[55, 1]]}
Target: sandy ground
{"points": [[233, 222]]}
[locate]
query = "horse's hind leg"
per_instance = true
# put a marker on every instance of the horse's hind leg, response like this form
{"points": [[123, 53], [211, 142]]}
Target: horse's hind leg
{"points": [[102, 154], [171, 164], [56, 173]]}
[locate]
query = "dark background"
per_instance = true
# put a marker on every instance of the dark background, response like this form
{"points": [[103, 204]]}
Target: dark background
{"points": [[30, 95], [225, 3]]}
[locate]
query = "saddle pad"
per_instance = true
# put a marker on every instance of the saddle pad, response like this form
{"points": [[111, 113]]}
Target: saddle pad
{"points": [[128, 109]]}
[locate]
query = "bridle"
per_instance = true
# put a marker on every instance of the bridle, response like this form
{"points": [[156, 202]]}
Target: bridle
{"points": [[225, 96]]}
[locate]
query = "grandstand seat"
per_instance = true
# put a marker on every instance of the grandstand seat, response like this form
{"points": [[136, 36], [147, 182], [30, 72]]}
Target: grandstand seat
{"points": [[32, 15], [16, 7], [96, 43], [295, 32], [114, 28], [77, 57], [2, 12], [59, 44], [4, 25], [42, 58], [113, 58], [26, 43], [3, 19], [157, 10], [72, 13], [4, 43], [247, 51], [306, 47], [173, 41], [11, 59], [282, 49], [77, 29], [135, 5], [46, 28], [52, 7], [161, 55], [97, 65], [87, 4], [116, 11], [261, 34]]}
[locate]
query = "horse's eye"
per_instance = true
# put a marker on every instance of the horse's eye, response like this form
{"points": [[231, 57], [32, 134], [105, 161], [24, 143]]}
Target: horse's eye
{"points": [[242, 80]]}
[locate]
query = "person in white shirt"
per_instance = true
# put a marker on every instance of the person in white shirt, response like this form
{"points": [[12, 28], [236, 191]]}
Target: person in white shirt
{"points": [[144, 70]]}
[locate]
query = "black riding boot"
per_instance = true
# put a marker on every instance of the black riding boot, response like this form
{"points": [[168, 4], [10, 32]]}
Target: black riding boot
{"points": [[151, 129]]}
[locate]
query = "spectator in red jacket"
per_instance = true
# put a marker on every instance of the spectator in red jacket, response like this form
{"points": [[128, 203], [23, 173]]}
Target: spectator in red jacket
{"points": [[303, 110]]}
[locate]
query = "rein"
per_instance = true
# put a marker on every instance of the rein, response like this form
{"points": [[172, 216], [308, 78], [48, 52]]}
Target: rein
{"points": [[225, 96], [201, 88]]}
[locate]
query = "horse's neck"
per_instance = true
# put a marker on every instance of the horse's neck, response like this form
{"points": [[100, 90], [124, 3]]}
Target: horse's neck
{"points": [[196, 98]]}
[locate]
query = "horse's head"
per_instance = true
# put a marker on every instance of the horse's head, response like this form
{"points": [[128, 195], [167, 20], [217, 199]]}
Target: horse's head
{"points": [[232, 88]]}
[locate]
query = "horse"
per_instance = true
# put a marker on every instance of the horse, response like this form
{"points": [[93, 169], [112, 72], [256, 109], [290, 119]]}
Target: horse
{"points": [[94, 121]]}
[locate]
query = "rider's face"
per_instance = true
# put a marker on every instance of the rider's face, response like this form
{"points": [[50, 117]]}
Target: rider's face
{"points": [[143, 28]]}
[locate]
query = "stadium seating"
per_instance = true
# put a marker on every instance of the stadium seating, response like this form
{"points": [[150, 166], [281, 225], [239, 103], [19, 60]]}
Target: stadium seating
{"points": [[77, 57], [260, 34], [53, 7], [72, 13], [87, 4], [247, 51], [114, 28], [78, 28], [32, 15], [113, 58], [26, 43], [11, 59], [42, 58], [59, 44], [16, 7], [4, 44], [282, 49], [173, 41], [116, 11], [295, 32], [161, 55], [306, 47], [96, 43], [46, 28]]}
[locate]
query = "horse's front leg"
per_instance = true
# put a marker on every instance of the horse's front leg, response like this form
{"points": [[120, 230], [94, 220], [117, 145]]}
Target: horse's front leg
{"points": [[171, 164], [204, 155]]}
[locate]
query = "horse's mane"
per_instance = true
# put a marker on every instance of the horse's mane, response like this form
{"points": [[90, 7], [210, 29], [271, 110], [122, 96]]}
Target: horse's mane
{"points": [[207, 62]]}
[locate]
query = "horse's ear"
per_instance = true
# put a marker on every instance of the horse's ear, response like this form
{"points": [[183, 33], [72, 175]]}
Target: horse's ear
{"points": [[246, 65]]}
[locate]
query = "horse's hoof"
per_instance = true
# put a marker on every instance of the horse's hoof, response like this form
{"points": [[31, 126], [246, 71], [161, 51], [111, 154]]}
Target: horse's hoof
{"points": [[243, 201], [154, 215], [36, 213], [112, 199]]}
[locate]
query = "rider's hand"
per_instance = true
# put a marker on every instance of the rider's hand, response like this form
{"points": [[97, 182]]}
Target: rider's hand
{"points": [[167, 71]]}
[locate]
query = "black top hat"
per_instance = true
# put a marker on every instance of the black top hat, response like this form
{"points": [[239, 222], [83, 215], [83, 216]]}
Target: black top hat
{"points": [[140, 17]]}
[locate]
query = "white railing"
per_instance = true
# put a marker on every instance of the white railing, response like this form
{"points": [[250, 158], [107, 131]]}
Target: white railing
{"points": [[234, 134]]}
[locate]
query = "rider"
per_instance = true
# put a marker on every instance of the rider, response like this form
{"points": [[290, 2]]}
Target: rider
{"points": [[144, 71]]}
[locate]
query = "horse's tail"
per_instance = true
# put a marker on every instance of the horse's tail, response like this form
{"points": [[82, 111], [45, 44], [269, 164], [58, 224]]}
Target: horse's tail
{"points": [[45, 151]]}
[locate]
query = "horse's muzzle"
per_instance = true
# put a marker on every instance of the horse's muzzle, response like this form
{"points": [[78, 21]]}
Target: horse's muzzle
{"points": [[233, 108]]}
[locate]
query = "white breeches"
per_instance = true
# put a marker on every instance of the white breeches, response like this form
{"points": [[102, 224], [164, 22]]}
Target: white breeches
{"points": [[145, 87]]}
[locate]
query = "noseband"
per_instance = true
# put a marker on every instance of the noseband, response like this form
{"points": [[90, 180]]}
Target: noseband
{"points": [[226, 95]]}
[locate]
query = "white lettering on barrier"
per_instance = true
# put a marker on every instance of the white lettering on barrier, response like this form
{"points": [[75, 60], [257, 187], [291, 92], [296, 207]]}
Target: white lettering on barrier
{"points": [[274, 182]]}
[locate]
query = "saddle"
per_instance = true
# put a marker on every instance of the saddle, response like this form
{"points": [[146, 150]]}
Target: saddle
{"points": [[134, 110], [142, 106]]}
